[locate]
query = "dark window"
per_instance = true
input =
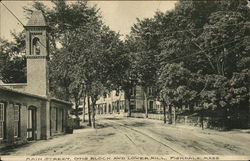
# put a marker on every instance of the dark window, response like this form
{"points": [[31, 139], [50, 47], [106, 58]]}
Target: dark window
{"points": [[31, 123], [50, 121], [17, 121], [130, 92], [36, 46], [123, 104], [57, 119], [62, 120], [151, 104], [150, 91], [133, 91], [2, 120]]}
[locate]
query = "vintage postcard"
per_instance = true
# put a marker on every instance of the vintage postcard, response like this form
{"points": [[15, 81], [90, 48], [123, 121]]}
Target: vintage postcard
{"points": [[124, 80]]}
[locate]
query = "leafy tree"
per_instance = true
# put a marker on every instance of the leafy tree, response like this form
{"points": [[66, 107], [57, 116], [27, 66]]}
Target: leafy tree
{"points": [[127, 77], [223, 32], [14, 70], [13, 61], [212, 43], [76, 35], [143, 44], [90, 56], [175, 86]]}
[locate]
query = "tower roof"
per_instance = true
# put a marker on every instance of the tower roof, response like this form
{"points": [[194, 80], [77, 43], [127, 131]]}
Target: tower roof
{"points": [[37, 19]]}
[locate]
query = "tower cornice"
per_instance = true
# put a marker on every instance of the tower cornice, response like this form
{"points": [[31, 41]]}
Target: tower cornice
{"points": [[35, 28], [37, 57], [37, 20]]}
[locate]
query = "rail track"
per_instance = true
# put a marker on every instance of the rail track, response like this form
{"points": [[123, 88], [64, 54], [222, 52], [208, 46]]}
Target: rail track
{"points": [[121, 127]]}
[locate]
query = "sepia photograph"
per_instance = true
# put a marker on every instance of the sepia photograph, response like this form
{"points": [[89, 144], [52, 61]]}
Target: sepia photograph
{"points": [[124, 80]]}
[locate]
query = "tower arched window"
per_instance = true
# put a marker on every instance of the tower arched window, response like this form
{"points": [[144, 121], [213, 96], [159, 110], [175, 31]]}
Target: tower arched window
{"points": [[36, 46]]}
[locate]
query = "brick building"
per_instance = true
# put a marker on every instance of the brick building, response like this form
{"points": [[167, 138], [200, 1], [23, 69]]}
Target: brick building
{"points": [[27, 111]]}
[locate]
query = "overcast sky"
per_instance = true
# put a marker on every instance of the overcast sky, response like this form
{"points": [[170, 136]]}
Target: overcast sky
{"points": [[119, 15]]}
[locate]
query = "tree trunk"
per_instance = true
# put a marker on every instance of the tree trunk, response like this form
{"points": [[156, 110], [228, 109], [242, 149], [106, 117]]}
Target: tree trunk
{"points": [[202, 118], [76, 112], [191, 107], [164, 113], [174, 115], [127, 94], [146, 103], [93, 112], [89, 112], [170, 115], [93, 115], [67, 95], [76, 108], [83, 109], [129, 108]]}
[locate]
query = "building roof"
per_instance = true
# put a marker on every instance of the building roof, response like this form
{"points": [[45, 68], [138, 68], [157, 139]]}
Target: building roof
{"points": [[61, 101], [37, 19], [22, 93], [34, 96]]}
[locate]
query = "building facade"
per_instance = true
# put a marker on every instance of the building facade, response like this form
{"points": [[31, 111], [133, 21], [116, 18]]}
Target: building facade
{"points": [[27, 111], [139, 99], [113, 102]]}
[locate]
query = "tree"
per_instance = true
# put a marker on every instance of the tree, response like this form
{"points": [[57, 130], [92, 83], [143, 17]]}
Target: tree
{"points": [[103, 62], [230, 39], [13, 61], [69, 64], [175, 91], [90, 55], [211, 43], [127, 77], [143, 44]]}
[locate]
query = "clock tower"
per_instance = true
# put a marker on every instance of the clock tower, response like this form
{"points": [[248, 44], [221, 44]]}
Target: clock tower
{"points": [[37, 54]]}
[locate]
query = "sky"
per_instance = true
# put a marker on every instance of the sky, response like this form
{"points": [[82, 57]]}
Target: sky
{"points": [[118, 15]]}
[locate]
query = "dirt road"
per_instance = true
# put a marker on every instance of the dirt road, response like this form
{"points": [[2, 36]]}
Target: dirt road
{"points": [[117, 135]]}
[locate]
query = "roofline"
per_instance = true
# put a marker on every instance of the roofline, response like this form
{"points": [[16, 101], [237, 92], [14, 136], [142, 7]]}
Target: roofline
{"points": [[14, 84], [35, 96], [22, 93], [61, 101], [35, 26]]}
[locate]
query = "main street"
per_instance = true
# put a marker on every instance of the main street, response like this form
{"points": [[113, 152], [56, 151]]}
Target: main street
{"points": [[119, 135]]}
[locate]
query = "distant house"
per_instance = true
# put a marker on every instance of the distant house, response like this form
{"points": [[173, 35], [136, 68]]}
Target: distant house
{"points": [[111, 103], [27, 112], [114, 103]]}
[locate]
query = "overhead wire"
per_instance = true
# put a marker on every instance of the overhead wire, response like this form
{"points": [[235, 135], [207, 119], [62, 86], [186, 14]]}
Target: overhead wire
{"points": [[205, 86], [171, 61], [196, 29], [201, 28], [158, 5], [12, 13], [157, 34], [18, 20], [169, 31]]}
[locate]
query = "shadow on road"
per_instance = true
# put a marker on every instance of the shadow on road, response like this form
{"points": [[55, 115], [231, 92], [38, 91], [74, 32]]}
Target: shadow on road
{"points": [[102, 126], [108, 134], [112, 118], [9, 149], [136, 124]]}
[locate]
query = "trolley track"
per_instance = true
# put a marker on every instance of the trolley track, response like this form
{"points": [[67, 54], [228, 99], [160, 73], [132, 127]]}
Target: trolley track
{"points": [[120, 125]]}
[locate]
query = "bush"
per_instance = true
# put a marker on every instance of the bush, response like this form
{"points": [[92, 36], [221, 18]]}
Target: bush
{"points": [[139, 110], [70, 126]]}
